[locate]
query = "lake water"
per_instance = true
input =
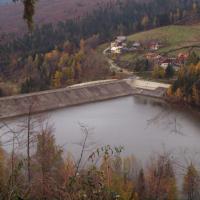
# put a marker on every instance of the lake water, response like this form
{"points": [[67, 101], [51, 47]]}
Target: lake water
{"points": [[143, 126]]}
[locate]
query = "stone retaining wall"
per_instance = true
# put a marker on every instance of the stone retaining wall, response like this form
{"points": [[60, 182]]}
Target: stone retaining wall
{"points": [[49, 100]]}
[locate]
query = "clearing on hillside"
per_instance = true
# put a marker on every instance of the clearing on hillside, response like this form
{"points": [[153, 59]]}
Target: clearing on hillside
{"points": [[174, 37]]}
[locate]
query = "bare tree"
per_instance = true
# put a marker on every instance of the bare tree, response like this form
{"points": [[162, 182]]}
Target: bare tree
{"points": [[161, 181], [30, 126], [24, 132], [191, 184], [28, 141], [12, 139], [85, 145]]}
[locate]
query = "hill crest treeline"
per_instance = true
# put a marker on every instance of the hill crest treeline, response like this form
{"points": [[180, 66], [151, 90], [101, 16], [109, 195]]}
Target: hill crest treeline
{"points": [[105, 22]]}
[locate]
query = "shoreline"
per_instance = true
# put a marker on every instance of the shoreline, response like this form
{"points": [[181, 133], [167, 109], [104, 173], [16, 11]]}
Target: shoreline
{"points": [[183, 105], [161, 99], [80, 94], [50, 100], [97, 101]]}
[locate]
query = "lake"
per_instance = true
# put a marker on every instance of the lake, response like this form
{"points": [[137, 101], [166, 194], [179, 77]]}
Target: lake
{"points": [[142, 125]]}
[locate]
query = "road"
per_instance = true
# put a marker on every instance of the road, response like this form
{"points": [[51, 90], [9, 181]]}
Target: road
{"points": [[133, 80], [114, 67]]}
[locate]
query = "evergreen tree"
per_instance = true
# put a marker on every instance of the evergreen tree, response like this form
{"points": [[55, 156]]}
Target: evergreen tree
{"points": [[169, 72], [28, 86]]}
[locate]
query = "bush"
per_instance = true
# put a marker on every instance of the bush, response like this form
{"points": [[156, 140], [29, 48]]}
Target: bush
{"points": [[158, 72], [28, 86], [141, 65]]}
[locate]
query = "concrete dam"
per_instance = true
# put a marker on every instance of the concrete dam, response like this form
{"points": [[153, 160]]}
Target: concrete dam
{"points": [[49, 100], [20, 105]]}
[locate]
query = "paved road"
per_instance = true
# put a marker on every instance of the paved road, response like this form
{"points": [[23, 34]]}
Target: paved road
{"points": [[114, 67]]}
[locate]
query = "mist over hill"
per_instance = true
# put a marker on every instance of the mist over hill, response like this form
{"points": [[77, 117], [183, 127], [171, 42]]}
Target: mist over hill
{"points": [[47, 11]]}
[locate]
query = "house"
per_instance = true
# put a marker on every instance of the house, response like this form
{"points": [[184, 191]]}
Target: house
{"points": [[113, 44], [154, 57], [158, 58], [154, 46], [136, 44], [182, 57], [116, 49], [121, 39], [164, 65], [118, 45]]}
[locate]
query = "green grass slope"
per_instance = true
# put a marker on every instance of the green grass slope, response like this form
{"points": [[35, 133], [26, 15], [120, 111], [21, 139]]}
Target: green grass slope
{"points": [[173, 37]]}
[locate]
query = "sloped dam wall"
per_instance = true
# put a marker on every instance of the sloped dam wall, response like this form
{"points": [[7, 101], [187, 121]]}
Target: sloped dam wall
{"points": [[49, 100]]}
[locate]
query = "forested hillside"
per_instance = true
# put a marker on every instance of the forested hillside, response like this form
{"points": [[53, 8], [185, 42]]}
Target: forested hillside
{"points": [[56, 53], [47, 11], [109, 176], [104, 23], [186, 88]]}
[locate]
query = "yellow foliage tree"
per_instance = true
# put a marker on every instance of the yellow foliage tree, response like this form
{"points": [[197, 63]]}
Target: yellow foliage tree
{"points": [[196, 95], [69, 73], [145, 21], [194, 7], [169, 92], [63, 61], [160, 179], [57, 80], [179, 94], [82, 46], [191, 183], [158, 72]]}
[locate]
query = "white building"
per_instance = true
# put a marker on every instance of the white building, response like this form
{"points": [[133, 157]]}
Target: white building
{"points": [[164, 65], [118, 45], [116, 49], [121, 39], [136, 44]]}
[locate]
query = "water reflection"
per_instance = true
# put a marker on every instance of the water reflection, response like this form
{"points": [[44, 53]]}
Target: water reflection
{"points": [[142, 125]]}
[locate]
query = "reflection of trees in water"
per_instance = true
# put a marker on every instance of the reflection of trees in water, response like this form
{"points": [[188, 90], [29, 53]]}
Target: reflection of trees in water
{"points": [[168, 119], [151, 101], [182, 157]]}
